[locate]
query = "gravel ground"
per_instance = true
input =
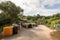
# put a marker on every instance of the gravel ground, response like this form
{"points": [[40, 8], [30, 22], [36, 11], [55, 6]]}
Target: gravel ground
{"points": [[37, 33]]}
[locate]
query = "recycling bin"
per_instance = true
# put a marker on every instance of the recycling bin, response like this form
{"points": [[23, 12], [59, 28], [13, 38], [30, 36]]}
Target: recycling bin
{"points": [[17, 26], [15, 30], [29, 25], [8, 31]]}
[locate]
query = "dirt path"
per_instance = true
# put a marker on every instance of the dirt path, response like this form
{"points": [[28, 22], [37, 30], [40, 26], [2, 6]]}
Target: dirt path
{"points": [[37, 33]]}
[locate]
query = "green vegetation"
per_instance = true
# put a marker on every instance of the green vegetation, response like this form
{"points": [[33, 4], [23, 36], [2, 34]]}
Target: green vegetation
{"points": [[12, 14], [0, 29], [9, 13], [49, 21]]}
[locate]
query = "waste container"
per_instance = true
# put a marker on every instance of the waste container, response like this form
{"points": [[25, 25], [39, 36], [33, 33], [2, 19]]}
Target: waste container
{"points": [[8, 31], [30, 26], [16, 25], [27, 25], [15, 30]]}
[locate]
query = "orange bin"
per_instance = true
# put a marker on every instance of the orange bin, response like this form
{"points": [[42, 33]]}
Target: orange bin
{"points": [[8, 31]]}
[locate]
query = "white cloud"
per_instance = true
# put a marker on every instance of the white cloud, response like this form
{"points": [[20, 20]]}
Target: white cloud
{"points": [[51, 2], [33, 7], [1, 0]]}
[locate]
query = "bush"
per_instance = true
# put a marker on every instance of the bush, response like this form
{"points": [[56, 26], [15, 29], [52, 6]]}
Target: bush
{"points": [[5, 22], [54, 23], [1, 28]]}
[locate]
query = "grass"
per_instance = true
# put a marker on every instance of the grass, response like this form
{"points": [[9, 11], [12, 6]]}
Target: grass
{"points": [[0, 29]]}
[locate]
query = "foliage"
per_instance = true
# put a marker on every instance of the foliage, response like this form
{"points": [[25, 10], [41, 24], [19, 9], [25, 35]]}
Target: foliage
{"points": [[49, 21], [9, 13]]}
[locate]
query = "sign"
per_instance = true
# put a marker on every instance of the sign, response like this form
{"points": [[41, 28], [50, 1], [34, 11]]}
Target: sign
{"points": [[57, 26]]}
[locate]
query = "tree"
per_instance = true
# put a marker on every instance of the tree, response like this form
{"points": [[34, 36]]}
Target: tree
{"points": [[9, 12]]}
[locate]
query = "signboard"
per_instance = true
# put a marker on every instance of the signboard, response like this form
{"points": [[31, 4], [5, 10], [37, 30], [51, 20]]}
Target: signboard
{"points": [[57, 26]]}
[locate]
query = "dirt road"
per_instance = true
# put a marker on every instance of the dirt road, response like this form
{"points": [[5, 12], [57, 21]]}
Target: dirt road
{"points": [[37, 33]]}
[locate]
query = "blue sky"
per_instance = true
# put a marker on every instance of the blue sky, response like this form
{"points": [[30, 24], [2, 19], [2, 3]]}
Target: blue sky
{"points": [[55, 6], [42, 7]]}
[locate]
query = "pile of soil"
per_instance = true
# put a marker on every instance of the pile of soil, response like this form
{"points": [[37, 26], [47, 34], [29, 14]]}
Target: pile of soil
{"points": [[55, 35]]}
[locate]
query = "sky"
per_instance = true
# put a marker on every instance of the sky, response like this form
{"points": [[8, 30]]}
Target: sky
{"points": [[42, 7]]}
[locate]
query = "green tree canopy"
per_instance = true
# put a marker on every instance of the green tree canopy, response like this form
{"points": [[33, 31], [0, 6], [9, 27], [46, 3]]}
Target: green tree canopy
{"points": [[9, 12]]}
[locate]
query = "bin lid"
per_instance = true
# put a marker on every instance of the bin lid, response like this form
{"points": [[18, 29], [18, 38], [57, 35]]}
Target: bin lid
{"points": [[15, 25]]}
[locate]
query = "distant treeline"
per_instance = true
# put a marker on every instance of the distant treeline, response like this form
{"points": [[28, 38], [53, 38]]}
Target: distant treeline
{"points": [[46, 20]]}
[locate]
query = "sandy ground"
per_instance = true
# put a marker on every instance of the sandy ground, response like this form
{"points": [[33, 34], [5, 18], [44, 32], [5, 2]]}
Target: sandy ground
{"points": [[37, 33]]}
